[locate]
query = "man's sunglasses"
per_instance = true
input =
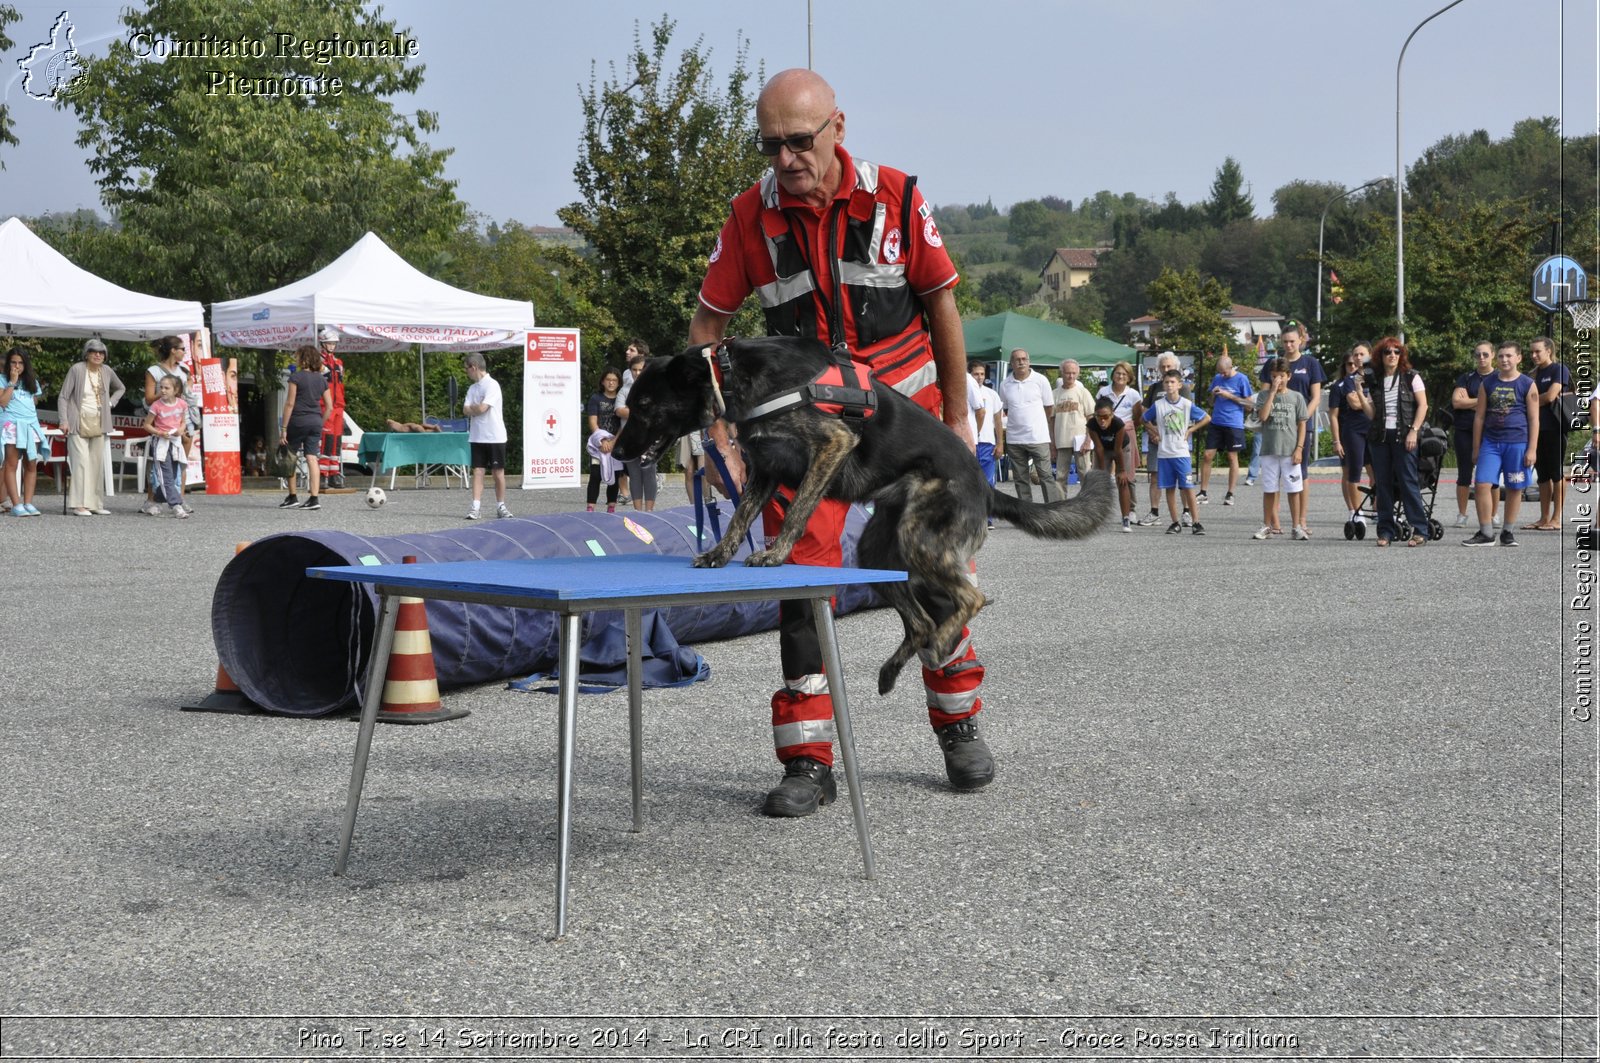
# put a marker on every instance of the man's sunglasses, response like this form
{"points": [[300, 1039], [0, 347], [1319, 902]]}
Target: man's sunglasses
{"points": [[798, 143]]}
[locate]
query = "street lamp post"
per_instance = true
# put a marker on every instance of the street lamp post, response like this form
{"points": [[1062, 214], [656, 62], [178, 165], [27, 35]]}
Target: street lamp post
{"points": [[1400, 186], [1322, 225]]}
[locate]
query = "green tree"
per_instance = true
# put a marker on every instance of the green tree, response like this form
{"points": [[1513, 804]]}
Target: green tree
{"points": [[220, 193], [1190, 307], [1125, 272], [8, 15], [663, 151], [1084, 308], [1004, 289], [1467, 270], [1229, 202]]}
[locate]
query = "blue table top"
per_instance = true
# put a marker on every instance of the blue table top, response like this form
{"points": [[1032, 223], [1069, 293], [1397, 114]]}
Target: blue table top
{"points": [[578, 579]]}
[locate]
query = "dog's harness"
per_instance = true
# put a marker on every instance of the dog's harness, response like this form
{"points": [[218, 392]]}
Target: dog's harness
{"points": [[842, 389]]}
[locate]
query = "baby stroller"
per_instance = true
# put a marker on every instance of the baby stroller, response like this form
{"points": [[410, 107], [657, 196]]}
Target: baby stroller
{"points": [[1432, 443]]}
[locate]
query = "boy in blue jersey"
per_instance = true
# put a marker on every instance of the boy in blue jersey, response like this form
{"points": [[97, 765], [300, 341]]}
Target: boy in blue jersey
{"points": [[1176, 419], [1505, 439]]}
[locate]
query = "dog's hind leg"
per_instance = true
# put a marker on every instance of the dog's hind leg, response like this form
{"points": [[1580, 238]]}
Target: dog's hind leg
{"points": [[937, 536], [830, 453], [880, 548]]}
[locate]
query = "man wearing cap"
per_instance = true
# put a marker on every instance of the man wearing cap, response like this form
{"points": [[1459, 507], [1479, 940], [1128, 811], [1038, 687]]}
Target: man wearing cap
{"points": [[333, 428]]}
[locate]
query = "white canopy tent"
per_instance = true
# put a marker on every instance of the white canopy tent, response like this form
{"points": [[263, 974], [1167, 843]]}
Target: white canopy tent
{"points": [[43, 294], [376, 301]]}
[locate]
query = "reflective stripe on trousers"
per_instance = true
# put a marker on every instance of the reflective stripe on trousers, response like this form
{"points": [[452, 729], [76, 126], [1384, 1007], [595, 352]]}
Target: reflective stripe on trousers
{"points": [[953, 684]]}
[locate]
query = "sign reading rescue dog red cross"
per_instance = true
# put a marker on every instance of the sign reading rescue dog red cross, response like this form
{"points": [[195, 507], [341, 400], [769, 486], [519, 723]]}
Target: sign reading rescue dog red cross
{"points": [[552, 409]]}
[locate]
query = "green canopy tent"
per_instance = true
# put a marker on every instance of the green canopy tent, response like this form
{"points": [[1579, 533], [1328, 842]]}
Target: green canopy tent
{"points": [[992, 339]]}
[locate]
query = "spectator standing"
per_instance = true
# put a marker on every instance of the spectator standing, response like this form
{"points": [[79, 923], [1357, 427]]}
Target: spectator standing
{"points": [[1030, 413], [1074, 405], [1396, 399], [1282, 414], [603, 427], [486, 434], [21, 436], [88, 394], [1164, 362], [1115, 451], [1175, 420], [167, 423], [1231, 396], [306, 403], [1125, 403], [1307, 378], [1349, 427], [643, 480], [1551, 378], [1505, 435], [988, 418], [1464, 411], [169, 363]]}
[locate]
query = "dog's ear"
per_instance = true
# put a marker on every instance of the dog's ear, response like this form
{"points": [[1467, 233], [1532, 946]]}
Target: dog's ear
{"points": [[692, 374]]}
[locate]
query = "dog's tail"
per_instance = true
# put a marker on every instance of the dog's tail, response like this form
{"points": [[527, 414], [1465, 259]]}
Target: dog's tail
{"points": [[1073, 519]]}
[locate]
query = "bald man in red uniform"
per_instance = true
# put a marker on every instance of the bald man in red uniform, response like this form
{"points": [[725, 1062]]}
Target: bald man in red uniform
{"points": [[842, 249]]}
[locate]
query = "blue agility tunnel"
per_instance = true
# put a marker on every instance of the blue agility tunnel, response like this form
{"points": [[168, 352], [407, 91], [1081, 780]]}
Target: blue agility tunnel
{"points": [[299, 646]]}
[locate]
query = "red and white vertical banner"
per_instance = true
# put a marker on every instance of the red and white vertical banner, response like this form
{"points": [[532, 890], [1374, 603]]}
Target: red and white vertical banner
{"points": [[219, 417], [552, 409]]}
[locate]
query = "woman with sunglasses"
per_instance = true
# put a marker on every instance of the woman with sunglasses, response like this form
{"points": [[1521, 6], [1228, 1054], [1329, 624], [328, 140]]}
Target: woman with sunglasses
{"points": [[1397, 401]]}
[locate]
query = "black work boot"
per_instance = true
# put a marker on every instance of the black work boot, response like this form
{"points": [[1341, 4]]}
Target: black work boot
{"points": [[967, 759], [807, 785]]}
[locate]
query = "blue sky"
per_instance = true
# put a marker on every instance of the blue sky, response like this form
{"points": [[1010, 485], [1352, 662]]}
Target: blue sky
{"points": [[1005, 99]]}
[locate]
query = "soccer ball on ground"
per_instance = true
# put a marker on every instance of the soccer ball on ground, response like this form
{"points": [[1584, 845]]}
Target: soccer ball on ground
{"points": [[376, 497]]}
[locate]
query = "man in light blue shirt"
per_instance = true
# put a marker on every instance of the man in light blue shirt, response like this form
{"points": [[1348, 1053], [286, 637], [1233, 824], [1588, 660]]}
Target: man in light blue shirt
{"points": [[1231, 396]]}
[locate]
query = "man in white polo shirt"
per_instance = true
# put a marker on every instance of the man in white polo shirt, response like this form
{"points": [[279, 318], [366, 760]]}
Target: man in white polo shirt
{"points": [[1030, 439]]}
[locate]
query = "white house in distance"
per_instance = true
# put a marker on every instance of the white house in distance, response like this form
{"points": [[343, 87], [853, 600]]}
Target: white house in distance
{"points": [[1249, 324], [1068, 268]]}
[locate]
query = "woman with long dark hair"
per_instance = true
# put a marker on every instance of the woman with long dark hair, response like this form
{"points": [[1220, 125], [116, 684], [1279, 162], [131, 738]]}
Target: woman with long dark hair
{"points": [[1394, 396], [604, 424], [20, 433]]}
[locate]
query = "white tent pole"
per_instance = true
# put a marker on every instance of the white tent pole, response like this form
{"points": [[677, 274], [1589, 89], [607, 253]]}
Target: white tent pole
{"points": [[422, 380]]}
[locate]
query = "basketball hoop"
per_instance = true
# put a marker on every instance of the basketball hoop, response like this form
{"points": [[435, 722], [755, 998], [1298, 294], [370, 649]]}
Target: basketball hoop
{"points": [[1585, 313]]}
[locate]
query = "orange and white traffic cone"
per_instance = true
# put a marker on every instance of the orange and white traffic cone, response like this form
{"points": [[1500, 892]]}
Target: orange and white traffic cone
{"points": [[227, 697], [411, 687]]}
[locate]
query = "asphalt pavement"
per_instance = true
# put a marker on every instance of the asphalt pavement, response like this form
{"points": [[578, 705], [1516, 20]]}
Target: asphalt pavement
{"points": [[1254, 798]]}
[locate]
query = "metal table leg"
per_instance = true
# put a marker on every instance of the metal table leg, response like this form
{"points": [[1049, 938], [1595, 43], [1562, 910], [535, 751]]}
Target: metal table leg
{"points": [[377, 670], [633, 621], [822, 610], [568, 654]]}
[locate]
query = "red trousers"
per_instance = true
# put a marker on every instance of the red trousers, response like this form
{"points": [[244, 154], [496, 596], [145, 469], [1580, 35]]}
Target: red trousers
{"points": [[802, 711]]}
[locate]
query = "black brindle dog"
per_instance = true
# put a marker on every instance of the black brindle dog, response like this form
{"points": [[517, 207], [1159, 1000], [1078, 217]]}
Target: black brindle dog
{"points": [[931, 501]]}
